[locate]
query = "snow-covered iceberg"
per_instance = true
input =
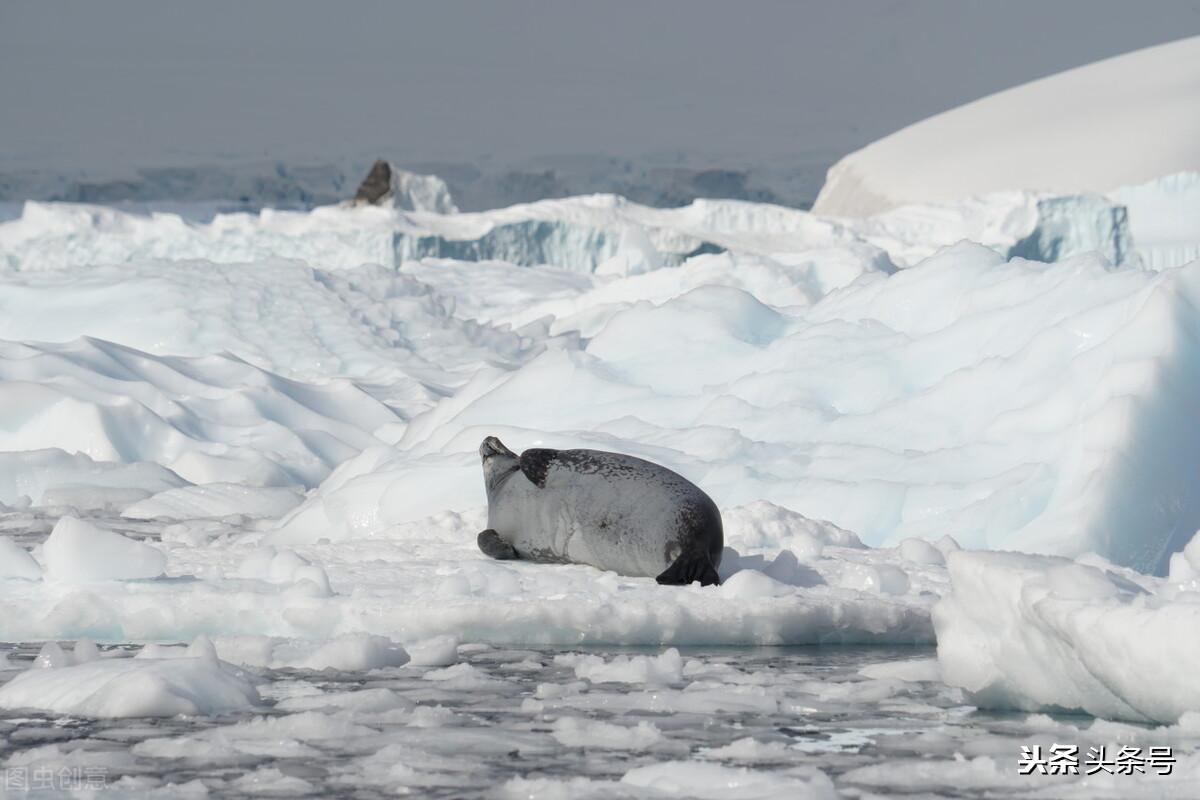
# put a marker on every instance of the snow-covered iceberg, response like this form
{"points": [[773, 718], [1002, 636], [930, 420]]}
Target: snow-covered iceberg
{"points": [[1117, 122]]}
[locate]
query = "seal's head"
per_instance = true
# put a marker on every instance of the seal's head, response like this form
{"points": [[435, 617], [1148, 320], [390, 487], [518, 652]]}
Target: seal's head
{"points": [[498, 462]]}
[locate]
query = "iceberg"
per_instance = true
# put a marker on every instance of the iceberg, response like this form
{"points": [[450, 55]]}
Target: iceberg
{"points": [[1086, 130]]}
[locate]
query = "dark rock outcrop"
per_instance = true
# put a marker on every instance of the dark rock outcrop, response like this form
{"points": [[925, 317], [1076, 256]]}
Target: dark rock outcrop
{"points": [[376, 187]]}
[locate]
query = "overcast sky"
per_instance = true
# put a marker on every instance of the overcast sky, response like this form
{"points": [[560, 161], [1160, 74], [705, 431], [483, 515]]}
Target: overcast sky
{"points": [[90, 84]]}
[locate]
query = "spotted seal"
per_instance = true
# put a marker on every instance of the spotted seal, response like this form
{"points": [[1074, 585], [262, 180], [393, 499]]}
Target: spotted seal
{"points": [[609, 510]]}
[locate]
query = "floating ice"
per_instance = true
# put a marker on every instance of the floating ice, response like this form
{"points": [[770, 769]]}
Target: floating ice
{"points": [[701, 780], [438, 651], [577, 732], [356, 652], [663, 669], [131, 687]]}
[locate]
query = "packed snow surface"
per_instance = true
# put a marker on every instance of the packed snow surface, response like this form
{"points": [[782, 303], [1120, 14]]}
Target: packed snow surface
{"points": [[1117, 122]]}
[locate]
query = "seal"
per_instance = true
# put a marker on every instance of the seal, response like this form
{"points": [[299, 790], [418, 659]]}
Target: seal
{"points": [[609, 510]]}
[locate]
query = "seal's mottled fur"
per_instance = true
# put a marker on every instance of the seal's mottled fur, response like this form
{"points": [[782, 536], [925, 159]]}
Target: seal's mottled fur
{"points": [[609, 510]]}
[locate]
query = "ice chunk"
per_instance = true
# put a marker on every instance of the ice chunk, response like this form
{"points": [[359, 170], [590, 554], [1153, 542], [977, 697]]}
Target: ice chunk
{"points": [[281, 565], [663, 669], [921, 669], [356, 651], [920, 551], [51, 656], [882, 578], [749, 583], [80, 552], [130, 687], [703, 780], [577, 732], [438, 651], [15, 561], [1042, 633]]}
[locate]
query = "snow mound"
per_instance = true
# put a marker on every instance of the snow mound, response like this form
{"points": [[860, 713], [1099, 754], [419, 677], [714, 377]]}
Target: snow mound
{"points": [[1044, 633], [1058, 134], [384, 330], [132, 687], [205, 419], [79, 552]]}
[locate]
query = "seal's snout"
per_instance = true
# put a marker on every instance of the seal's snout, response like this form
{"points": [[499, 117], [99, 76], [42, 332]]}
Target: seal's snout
{"points": [[493, 447]]}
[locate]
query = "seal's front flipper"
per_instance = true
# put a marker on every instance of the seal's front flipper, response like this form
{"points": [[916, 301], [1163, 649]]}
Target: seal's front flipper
{"points": [[690, 567], [494, 547]]}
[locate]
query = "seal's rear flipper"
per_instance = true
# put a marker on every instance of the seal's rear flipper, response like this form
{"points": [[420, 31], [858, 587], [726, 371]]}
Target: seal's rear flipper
{"points": [[690, 567], [494, 547]]}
